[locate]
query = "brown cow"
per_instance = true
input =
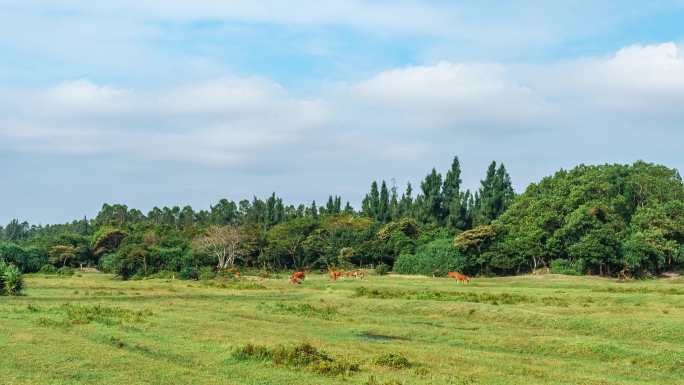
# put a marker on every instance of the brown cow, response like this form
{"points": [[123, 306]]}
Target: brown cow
{"points": [[297, 277], [334, 274], [355, 274], [459, 277]]}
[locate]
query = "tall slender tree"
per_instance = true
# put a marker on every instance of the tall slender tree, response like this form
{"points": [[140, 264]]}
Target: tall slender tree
{"points": [[431, 199], [384, 204], [495, 195], [406, 203], [451, 190], [394, 202], [371, 203]]}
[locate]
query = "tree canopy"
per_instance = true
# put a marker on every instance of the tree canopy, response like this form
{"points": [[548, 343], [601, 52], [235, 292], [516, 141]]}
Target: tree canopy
{"points": [[605, 219]]}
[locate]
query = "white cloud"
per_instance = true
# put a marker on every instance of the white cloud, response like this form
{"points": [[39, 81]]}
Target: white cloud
{"points": [[221, 121], [84, 98], [635, 83], [400, 114], [451, 94]]}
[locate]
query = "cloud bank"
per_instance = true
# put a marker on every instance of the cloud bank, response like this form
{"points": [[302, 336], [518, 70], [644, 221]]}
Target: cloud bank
{"points": [[233, 119]]}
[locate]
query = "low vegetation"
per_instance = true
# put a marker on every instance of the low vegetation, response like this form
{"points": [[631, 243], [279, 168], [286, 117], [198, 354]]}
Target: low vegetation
{"points": [[392, 360], [302, 356], [11, 281], [91, 328]]}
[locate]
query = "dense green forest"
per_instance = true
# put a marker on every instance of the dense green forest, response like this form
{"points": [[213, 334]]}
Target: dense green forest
{"points": [[607, 219]]}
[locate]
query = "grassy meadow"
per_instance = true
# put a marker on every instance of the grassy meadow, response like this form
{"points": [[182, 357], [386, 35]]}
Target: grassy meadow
{"points": [[93, 329]]}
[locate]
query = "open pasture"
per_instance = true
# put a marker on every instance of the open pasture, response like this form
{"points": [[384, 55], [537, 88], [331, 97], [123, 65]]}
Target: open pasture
{"points": [[93, 329]]}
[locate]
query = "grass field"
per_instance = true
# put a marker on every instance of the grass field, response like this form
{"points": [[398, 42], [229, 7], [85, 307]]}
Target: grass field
{"points": [[93, 329]]}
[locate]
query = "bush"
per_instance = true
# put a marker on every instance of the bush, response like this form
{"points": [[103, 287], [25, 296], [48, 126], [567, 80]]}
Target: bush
{"points": [[48, 269], [163, 274], [566, 267], [118, 264], [107, 263], [392, 360], [65, 271], [189, 273], [3, 267], [206, 272], [298, 356], [435, 258], [26, 259], [11, 281], [382, 269]]}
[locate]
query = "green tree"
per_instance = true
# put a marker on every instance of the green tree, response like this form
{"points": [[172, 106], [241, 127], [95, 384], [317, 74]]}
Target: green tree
{"points": [[62, 253], [430, 202], [495, 195], [384, 204], [406, 202], [285, 243]]}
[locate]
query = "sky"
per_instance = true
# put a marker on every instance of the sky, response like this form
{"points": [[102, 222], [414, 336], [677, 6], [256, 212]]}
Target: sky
{"points": [[153, 103]]}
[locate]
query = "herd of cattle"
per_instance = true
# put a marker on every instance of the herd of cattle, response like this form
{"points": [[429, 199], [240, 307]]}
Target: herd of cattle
{"points": [[298, 276]]}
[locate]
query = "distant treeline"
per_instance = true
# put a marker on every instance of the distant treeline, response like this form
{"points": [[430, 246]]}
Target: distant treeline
{"points": [[609, 220]]}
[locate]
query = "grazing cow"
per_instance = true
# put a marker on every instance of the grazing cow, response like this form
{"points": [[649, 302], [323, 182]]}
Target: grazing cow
{"points": [[297, 277], [355, 274], [459, 277], [334, 274]]}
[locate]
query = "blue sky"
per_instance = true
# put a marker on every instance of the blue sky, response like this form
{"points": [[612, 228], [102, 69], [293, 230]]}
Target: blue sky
{"points": [[174, 102]]}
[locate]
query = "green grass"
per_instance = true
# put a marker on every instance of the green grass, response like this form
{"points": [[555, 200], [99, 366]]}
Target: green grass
{"points": [[93, 329]]}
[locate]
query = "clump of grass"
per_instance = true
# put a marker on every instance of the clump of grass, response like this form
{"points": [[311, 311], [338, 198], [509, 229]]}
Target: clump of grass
{"points": [[234, 284], [488, 298], [392, 360], [373, 381], [106, 315], [76, 314], [117, 342], [252, 352], [299, 356], [640, 290], [52, 323], [326, 312], [422, 372]]}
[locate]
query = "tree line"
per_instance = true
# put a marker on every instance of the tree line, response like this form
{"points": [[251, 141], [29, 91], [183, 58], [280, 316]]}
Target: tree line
{"points": [[609, 219]]}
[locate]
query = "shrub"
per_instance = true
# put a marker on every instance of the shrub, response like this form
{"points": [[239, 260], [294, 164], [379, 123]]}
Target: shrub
{"points": [[65, 271], [3, 267], [435, 258], [392, 360], [119, 264], [189, 273], [26, 259], [205, 273], [48, 269], [566, 267], [252, 352], [107, 263], [11, 281], [382, 269], [299, 356], [163, 274]]}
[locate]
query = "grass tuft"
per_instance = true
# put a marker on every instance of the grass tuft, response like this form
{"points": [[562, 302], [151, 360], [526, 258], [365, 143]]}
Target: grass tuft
{"points": [[302, 356], [392, 360]]}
